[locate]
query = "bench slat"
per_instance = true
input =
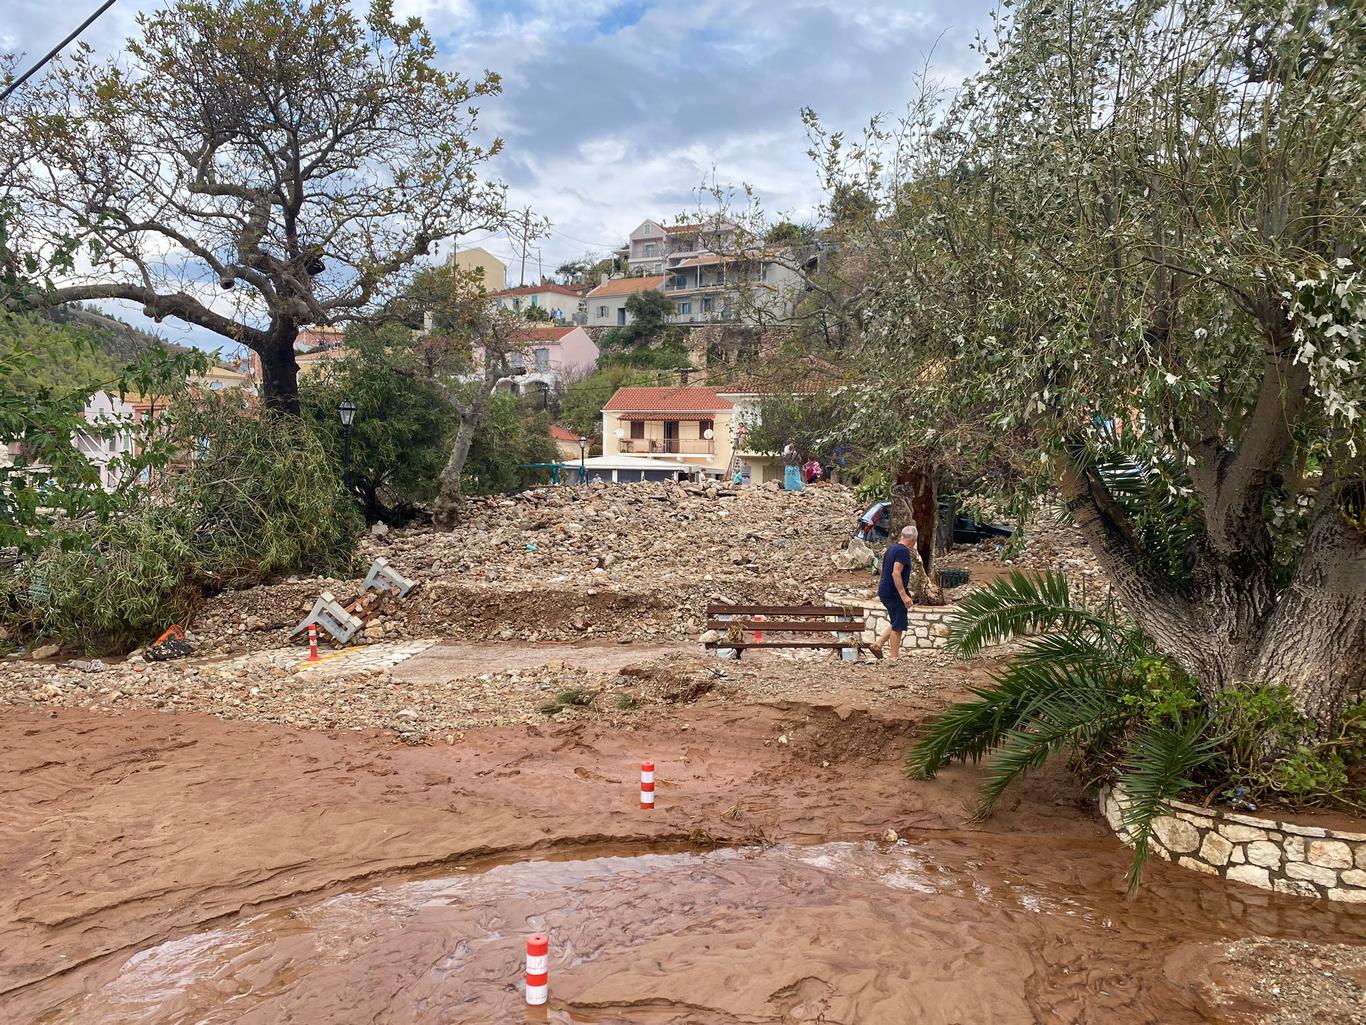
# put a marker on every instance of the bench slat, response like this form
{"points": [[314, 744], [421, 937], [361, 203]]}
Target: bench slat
{"points": [[786, 644], [778, 626], [781, 610]]}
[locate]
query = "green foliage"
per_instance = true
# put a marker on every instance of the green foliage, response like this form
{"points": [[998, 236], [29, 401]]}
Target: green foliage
{"points": [[537, 314], [812, 423], [1095, 687], [648, 321], [254, 496], [1159, 763], [404, 425], [507, 440], [581, 406], [40, 356], [571, 697]]}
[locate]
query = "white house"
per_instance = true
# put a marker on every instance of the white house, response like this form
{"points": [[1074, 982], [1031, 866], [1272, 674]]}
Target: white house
{"points": [[560, 301], [115, 440], [607, 303]]}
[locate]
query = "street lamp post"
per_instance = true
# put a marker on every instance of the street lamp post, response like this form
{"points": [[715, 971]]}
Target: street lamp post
{"points": [[583, 460], [346, 409]]}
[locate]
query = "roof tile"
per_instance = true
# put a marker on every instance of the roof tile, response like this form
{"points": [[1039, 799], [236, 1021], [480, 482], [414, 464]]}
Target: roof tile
{"points": [[671, 400]]}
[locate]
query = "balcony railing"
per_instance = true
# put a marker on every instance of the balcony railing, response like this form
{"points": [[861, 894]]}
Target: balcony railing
{"points": [[669, 446]]}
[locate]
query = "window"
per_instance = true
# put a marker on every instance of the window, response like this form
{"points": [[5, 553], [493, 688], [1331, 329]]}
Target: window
{"points": [[602, 312], [703, 426], [542, 359], [651, 249], [621, 315], [516, 304], [684, 308], [533, 300], [637, 430], [516, 361], [706, 305]]}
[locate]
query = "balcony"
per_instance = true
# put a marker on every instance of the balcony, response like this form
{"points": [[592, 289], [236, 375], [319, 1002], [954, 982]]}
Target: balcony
{"points": [[668, 446]]}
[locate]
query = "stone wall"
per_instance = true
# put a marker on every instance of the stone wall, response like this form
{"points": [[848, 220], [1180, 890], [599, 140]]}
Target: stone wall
{"points": [[926, 626], [1309, 861]]}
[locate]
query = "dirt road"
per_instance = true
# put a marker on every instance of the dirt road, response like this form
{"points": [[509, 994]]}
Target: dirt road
{"points": [[245, 844]]}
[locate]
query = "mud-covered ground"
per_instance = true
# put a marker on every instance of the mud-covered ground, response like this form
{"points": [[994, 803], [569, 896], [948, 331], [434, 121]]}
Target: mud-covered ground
{"points": [[241, 837], [173, 867]]}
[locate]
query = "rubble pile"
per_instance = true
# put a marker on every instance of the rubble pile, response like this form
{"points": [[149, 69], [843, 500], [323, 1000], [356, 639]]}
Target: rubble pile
{"points": [[632, 562]]}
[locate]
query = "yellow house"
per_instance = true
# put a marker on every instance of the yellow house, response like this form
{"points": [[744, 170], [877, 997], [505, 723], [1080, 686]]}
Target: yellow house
{"points": [[690, 425], [494, 271], [219, 378]]}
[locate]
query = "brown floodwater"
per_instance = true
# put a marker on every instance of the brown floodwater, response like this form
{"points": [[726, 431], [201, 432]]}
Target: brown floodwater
{"points": [[963, 928]]}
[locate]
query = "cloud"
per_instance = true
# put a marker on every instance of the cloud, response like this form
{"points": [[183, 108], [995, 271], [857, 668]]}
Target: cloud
{"points": [[616, 110]]}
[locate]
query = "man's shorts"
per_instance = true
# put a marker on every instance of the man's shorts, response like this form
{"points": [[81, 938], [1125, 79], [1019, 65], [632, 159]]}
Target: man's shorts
{"points": [[896, 611]]}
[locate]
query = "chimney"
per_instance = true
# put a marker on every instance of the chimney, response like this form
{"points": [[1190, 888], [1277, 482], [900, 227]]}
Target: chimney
{"points": [[602, 278]]}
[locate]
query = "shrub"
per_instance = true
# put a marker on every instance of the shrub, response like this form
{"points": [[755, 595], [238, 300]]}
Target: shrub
{"points": [[1094, 686], [256, 497]]}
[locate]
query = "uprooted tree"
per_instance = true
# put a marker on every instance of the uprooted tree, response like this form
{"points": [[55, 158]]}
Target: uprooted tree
{"points": [[1138, 232], [254, 166]]}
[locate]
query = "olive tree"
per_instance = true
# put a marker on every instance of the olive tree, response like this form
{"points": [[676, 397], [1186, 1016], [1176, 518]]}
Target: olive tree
{"points": [[253, 166], [1138, 233]]}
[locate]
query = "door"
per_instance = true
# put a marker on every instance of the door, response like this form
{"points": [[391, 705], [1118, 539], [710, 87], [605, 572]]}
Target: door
{"points": [[670, 435]]}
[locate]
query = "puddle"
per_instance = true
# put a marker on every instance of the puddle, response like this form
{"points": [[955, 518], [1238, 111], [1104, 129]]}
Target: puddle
{"points": [[987, 929]]}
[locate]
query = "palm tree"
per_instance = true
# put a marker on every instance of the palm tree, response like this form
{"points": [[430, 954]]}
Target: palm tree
{"points": [[1087, 681]]}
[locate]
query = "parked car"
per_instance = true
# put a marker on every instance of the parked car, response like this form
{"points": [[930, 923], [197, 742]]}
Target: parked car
{"points": [[872, 526]]}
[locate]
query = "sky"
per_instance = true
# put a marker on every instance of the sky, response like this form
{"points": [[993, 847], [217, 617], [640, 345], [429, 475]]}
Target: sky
{"points": [[613, 111]]}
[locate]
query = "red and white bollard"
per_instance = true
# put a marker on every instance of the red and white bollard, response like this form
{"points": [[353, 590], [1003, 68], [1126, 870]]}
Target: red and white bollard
{"points": [[758, 630], [313, 642], [537, 969], [647, 785]]}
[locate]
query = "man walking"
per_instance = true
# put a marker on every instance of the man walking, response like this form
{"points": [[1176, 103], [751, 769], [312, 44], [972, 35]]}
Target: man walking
{"points": [[896, 576]]}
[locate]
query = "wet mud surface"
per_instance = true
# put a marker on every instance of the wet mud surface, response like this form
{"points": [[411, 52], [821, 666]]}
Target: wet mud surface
{"points": [[944, 930], [160, 868]]}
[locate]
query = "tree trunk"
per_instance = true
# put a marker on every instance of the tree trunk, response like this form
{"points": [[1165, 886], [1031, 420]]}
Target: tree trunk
{"points": [[1229, 627], [915, 499], [1314, 641], [280, 372], [446, 509]]}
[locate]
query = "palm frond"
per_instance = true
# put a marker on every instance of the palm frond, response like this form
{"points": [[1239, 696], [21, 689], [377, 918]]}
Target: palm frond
{"points": [[1081, 718], [1015, 605], [1050, 666], [1157, 765]]}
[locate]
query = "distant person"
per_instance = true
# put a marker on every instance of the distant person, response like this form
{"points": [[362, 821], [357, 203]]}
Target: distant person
{"points": [[811, 472], [738, 479], [892, 589], [792, 468]]}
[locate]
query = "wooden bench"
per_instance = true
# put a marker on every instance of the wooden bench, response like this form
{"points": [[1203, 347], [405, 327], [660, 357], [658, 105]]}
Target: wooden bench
{"points": [[805, 621]]}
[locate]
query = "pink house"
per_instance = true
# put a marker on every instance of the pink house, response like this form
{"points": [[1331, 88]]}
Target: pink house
{"points": [[549, 356]]}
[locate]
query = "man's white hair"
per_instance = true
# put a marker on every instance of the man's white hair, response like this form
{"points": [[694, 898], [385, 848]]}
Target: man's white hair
{"points": [[909, 531]]}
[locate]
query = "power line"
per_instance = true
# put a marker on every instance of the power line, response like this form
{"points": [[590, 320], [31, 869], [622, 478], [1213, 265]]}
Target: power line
{"points": [[54, 51]]}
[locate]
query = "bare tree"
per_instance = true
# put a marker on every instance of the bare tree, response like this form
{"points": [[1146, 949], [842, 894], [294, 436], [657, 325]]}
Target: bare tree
{"points": [[260, 166]]}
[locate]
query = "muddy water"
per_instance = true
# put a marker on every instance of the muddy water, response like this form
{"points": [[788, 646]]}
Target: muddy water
{"points": [[961, 929]]}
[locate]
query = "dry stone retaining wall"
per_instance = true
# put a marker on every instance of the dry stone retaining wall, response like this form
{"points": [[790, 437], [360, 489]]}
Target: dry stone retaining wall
{"points": [[926, 626], [1309, 861]]}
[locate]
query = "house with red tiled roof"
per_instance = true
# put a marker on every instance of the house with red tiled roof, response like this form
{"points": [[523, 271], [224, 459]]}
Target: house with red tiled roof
{"points": [[560, 301], [691, 425], [566, 442]]}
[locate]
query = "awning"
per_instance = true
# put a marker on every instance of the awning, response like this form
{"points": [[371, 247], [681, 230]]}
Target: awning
{"points": [[669, 417]]}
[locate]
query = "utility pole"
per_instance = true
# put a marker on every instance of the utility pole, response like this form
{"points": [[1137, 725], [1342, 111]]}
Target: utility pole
{"points": [[526, 242]]}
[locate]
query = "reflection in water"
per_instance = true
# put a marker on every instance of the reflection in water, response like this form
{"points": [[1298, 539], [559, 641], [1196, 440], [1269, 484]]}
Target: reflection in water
{"points": [[986, 929]]}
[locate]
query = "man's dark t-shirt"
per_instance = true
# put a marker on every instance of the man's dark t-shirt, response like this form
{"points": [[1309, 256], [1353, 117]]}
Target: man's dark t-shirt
{"points": [[894, 554]]}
